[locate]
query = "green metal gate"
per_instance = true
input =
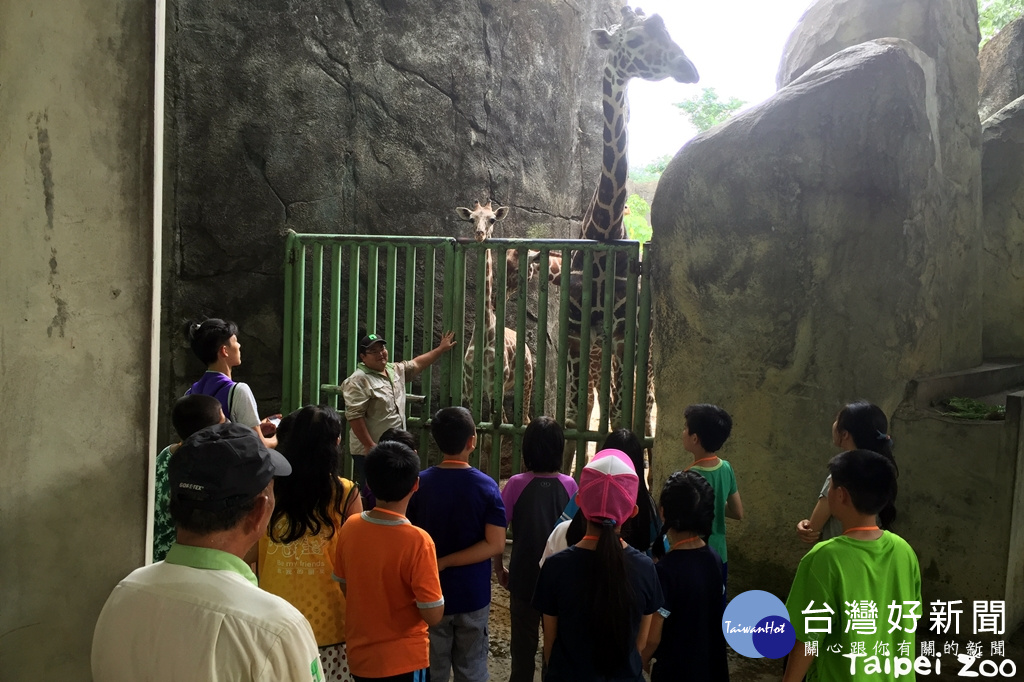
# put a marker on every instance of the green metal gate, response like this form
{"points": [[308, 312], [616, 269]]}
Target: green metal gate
{"points": [[410, 289]]}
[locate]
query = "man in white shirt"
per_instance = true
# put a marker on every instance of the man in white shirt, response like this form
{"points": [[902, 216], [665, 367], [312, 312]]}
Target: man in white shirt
{"points": [[199, 614]]}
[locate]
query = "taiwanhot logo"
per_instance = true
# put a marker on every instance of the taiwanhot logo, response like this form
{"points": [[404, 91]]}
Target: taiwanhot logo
{"points": [[756, 625]]}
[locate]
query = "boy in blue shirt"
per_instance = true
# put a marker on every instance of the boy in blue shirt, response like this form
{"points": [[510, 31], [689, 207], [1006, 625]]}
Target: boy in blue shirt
{"points": [[461, 508]]}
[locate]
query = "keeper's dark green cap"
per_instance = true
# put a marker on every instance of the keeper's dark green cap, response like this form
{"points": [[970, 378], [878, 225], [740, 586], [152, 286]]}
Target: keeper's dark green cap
{"points": [[369, 340]]}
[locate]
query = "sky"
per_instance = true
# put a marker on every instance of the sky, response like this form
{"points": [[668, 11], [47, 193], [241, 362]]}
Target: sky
{"points": [[735, 45]]}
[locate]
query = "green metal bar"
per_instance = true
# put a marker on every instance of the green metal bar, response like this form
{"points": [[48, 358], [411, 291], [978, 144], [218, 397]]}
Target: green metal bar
{"points": [[582, 381], [409, 302], [455, 305], [629, 339], [541, 367], [390, 293], [334, 329], [353, 309], [643, 355], [428, 326], [607, 342], [298, 326], [500, 274], [372, 271], [476, 404], [316, 317], [563, 337], [291, 244], [519, 403]]}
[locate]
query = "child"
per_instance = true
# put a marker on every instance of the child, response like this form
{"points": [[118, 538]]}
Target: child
{"points": [[686, 638], [863, 564], [533, 502], [388, 571], [707, 428], [215, 343], [400, 436], [190, 414], [295, 558], [639, 531], [598, 596], [461, 508], [858, 426]]}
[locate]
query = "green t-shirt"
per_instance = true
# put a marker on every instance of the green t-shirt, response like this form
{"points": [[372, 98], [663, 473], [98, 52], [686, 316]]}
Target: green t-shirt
{"points": [[846, 576], [723, 480]]}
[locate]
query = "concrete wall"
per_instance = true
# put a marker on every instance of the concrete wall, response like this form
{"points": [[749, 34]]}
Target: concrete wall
{"points": [[76, 136], [968, 535]]}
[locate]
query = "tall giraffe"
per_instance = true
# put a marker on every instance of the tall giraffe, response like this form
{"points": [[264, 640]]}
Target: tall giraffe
{"points": [[639, 47], [483, 219]]}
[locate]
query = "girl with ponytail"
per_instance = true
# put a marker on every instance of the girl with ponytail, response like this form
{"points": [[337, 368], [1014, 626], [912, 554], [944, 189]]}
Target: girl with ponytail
{"points": [[597, 597], [859, 425]]}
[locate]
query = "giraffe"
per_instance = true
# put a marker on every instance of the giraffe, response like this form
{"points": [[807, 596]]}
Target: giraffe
{"points": [[639, 47], [483, 219]]}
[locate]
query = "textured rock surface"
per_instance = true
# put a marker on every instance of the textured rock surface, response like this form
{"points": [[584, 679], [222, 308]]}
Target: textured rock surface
{"points": [[809, 252], [1003, 260], [1002, 69], [362, 117]]}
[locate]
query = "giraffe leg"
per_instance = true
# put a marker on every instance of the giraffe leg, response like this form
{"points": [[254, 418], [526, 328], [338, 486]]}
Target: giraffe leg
{"points": [[572, 378]]}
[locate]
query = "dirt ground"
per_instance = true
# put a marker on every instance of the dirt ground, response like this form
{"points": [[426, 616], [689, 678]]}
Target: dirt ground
{"points": [[499, 661]]}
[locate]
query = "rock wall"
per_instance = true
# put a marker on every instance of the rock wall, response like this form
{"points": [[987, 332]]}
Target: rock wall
{"points": [[1002, 69], [362, 117], [1003, 224], [1002, 111], [818, 248]]}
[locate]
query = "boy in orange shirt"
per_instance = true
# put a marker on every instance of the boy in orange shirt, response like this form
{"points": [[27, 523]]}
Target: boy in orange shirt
{"points": [[388, 571]]}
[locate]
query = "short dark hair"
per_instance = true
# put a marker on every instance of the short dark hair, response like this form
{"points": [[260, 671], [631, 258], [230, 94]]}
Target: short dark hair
{"points": [[869, 477], [399, 436], [192, 413], [710, 423], [452, 427], [207, 521], [207, 337], [543, 443], [391, 470], [688, 503]]}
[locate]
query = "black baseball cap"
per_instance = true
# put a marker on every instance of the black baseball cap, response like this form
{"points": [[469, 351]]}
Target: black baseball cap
{"points": [[221, 466], [369, 340]]}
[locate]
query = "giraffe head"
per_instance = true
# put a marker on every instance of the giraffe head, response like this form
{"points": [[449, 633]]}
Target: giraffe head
{"points": [[640, 47], [483, 218]]}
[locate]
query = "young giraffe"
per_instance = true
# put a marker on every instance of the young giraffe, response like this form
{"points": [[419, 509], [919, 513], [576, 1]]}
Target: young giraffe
{"points": [[483, 219], [640, 47]]}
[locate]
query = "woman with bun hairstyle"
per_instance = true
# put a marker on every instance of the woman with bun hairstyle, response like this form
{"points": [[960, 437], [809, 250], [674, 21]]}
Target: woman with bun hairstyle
{"points": [[215, 343], [860, 425], [597, 597]]}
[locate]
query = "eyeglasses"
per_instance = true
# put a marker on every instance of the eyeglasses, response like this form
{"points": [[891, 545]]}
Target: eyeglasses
{"points": [[380, 351]]}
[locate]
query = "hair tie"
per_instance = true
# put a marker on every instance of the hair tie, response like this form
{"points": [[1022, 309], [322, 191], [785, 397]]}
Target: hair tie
{"points": [[608, 522], [883, 436]]}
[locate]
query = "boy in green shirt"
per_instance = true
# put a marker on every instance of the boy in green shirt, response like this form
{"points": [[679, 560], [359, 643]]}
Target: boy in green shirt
{"points": [[856, 599]]}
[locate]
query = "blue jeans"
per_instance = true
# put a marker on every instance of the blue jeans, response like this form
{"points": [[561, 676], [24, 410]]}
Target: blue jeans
{"points": [[459, 643]]}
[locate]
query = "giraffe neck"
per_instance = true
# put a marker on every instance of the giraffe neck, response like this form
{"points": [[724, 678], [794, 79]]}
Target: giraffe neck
{"points": [[603, 219], [489, 323]]}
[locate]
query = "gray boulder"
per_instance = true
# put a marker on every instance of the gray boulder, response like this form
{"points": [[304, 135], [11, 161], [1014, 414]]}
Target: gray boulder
{"points": [[362, 117], [1003, 260], [1002, 69], [807, 253]]}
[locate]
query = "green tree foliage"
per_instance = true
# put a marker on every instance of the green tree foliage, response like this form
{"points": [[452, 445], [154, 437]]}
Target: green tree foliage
{"points": [[707, 109], [637, 222], [651, 172], [994, 14]]}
